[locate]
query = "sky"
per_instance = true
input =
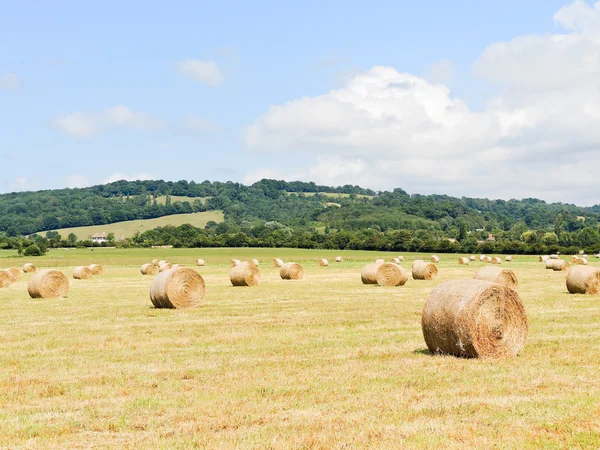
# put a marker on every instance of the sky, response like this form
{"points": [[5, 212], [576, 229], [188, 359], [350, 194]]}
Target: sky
{"points": [[465, 98]]}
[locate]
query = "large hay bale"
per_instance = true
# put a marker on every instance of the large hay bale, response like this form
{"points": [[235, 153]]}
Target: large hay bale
{"points": [[380, 261], [463, 261], [472, 258], [234, 262], [505, 277], [48, 284], [391, 275], [584, 280], [368, 274], [149, 269], [82, 273], [423, 270], [339, 259], [482, 257], [401, 258], [165, 266], [177, 288], [255, 261], [14, 274], [29, 268], [199, 262], [557, 264], [487, 259], [474, 318], [4, 279], [277, 262], [291, 271], [323, 262], [246, 274], [96, 269], [396, 260], [434, 259], [496, 260], [554, 256], [509, 258], [155, 262], [161, 262], [544, 258], [579, 260]]}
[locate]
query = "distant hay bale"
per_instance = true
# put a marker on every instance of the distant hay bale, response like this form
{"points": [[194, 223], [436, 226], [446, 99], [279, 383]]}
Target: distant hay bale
{"points": [[277, 262], [48, 284], [14, 274], [234, 262], [509, 258], [246, 274], [149, 269], [29, 268], [463, 261], [554, 256], [401, 258], [557, 264], [579, 260], [161, 262], [164, 266], [472, 258], [391, 275], [82, 273], [584, 280], [487, 259], [474, 318], [177, 288], [396, 260], [339, 259], [435, 259], [291, 271], [496, 260], [255, 261], [423, 270], [368, 274], [177, 266], [155, 261], [544, 258], [380, 261], [199, 262], [323, 262], [4, 279], [482, 257], [505, 277], [96, 269], [585, 256]]}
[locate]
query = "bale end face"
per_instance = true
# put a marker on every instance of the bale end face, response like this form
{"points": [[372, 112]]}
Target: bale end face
{"points": [[4, 279], [391, 275], [82, 273], [29, 268], [246, 274], [48, 284], [149, 269], [177, 288], [584, 280], [291, 271], [96, 269], [422, 270]]}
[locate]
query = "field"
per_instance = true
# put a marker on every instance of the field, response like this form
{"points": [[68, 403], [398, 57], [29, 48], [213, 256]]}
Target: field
{"points": [[321, 363], [161, 200], [128, 228]]}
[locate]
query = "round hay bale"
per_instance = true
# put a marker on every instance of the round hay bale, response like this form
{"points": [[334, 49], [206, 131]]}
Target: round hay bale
{"points": [[82, 273], [435, 259], [509, 258], [391, 275], [29, 268], [557, 264], [246, 274], [161, 262], [472, 258], [584, 280], [554, 256], [544, 258], [505, 277], [423, 270], [96, 269], [368, 274], [14, 274], [474, 318], [496, 260], [277, 262], [199, 262], [177, 288], [401, 258], [177, 266], [155, 261], [164, 266], [149, 269], [323, 262], [585, 256], [487, 259], [291, 271], [339, 259], [463, 261], [580, 261], [481, 257], [255, 262], [48, 284], [396, 260], [234, 262], [4, 279], [380, 261]]}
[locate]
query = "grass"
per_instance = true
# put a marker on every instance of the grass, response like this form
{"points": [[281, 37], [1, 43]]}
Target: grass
{"points": [[161, 200], [331, 194], [129, 227], [315, 364]]}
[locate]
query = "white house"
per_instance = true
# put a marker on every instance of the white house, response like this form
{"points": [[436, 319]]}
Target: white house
{"points": [[99, 238]]}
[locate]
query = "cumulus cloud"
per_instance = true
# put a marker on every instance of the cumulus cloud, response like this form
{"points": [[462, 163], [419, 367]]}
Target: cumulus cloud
{"points": [[441, 71], [76, 181], [24, 184], [79, 124], [386, 128], [121, 176], [206, 72], [10, 81]]}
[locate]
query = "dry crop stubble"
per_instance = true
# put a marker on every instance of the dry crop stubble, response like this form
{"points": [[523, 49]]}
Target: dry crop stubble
{"points": [[318, 364]]}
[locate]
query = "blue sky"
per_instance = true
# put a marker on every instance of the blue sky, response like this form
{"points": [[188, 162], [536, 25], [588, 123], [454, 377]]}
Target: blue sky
{"points": [[241, 90]]}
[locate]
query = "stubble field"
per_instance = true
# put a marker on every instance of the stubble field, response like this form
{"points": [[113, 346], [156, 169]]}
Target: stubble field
{"points": [[321, 363]]}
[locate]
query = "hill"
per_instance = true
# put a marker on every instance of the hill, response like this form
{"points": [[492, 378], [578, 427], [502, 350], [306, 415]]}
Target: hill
{"points": [[129, 228]]}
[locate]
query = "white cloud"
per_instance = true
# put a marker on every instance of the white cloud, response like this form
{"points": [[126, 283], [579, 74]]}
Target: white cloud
{"points": [[121, 176], [76, 181], [206, 72], [538, 137], [10, 81], [79, 124], [24, 184], [441, 72]]}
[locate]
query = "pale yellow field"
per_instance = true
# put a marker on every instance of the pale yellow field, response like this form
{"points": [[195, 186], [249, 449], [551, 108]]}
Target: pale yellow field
{"points": [[129, 227], [320, 363]]}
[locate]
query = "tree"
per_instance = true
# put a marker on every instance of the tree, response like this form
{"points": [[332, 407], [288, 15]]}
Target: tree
{"points": [[33, 250], [462, 231], [72, 238]]}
